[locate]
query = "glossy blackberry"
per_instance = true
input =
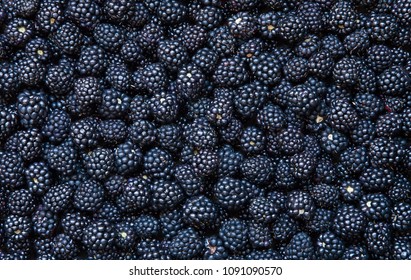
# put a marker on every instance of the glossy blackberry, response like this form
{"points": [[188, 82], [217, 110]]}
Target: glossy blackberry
{"points": [[108, 36], [92, 61], [68, 38], [60, 78], [204, 162], [290, 140], [220, 111], [154, 77], [185, 245], [355, 252], [325, 196], [355, 160], [214, 249], [151, 249], [99, 163], [85, 132], [252, 140], [250, 98], [206, 59], [114, 104], [266, 68], [342, 115], [118, 76], [284, 228], [259, 235], [400, 217], [346, 72], [231, 133], [201, 134], [258, 170], [321, 221], [58, 198], [9, 79], [385, 152], [292, 27], [18, 32], [263, 210], [57, 126], [158, 163], [300, 247], [49, 17], [107, 212], [17, 228], [342, 17], [394, 81], [62, 158], [98, 236], [39, 49], [400, 8], [84, 13], [193, 37], [333, 44], [209, 16], [242, 25], [325, 171], [30, 145], [269, 254], [400, 191], [64, 247], [87, 93], [329, 246], [222, 41], [376, 179], [146, 226], [367, 81], [171, 12], [88, 196], [12, 168], [382, 27], [32, 71], [369, 105], [230, 72], [118, 11], [234, 234], [171, 223], [38, 177], [165, 195], [172, 53], [349, 222], [363, 132], [268, 24], [296, 69], [73, 224], [232, 194], [241, 5], [379, 58], [378, 237], [201, 213], [300, 205], [303, 165], [112, 131], [164, 107], [302, 100], [32, 108], [21, 202], [401, 249], [376, 206], [351, 191], [142, 132], [125, 235]]}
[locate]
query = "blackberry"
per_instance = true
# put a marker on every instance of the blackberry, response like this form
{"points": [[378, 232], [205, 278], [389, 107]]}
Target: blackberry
{"points": [[142, 132], [230, 72], [252, 140], [99, 163], [164, 107], [378, 237], [364, 132], [172, 53], [171, 223], [154, 77], [125, 235], [74, 223], [185, 245], [12, 168], [17, 228], [84, 13], [292, 28], [302, 100], [329, 246], [259, 235], [250, 98], [158, 163], [346, 72], [321, 221], [201, 213], [206, 59], [385, 152], [379, 58], [112, 131], [296, 69], [68, 38], [355, 252], [32, 108], [268, 24], [214, 249], [231, 133], [369, 105], [232, 194], [58, 198], [31, 70], [263, 210], [394, 81], [355, 160], [108, 36], [349, 222], [351, 191], [87, 93], [382, 27], [146, 226], [342, 17], [242, 25], [333, 44], [376, 206], [49, 16], [376, 179], [9, 79], [400, 217], [284, 228], [30, 145], [325, 171], [117, 11], [201, 134], [114, 104], [204, 162], [18, 32], [400, 8], [88, 196], [209, 17], [299, 248], [312, 14], [165, 195], [266, 68], [269, 254], [324, 196], [84, 133], [367, 80], [271, 118], [290, 140], [234, 234], [401, 250], [300, 205], [303, 165], [92, 61], [171, 12], [342, 116], [99, 236], [60, 78], [62, 158], [64, 247], [38, 177], [258, 170], [57, 126]]}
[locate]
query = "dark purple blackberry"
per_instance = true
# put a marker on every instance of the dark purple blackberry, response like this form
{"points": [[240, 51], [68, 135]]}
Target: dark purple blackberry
{"points": [[132, 53], [266, 68], [303, 165], [107, 212], [171, 223], [342, 115], [268, 24], [250, 98], [206, 59], [118, 76], [241, 5], [58, 198], [9, 79], [220, 111], [302, 100], [252, 140], [259, 235], [139, 108], [146, 226], [214, 249], [222, 41], [165, 195], [187, 178], [349, 222], [85, 13], [400, 217], [158, 163], [113, 131], [369, 105], [99, 163], [169, 137], [118, 11], [376, 179], [342, 18], [400, 9], [364, 132], [354, 160], [88, 196], [114, 104], [67, 38], [193, 37], [201, 134], [151, 249], [400, 191], [21, 202], [333, 44], [300, 205], [357, 42], [60, 78], [269, 254], [185, 245], [62, 158], [232, 194], [394, 81], [32, 108], [367, 81], [12, 168], [283, 176], [378, 237], [320, 222], [234, 234], [172, 53], [386, 152], [312, 13], [73, 224], [85, 133], [306, 48], [154, 76], [300, 247], [351, 191], [324, 196], [92, 61], [38, 177], [355, 252], [325, 171], [30, 144], [376, 206], [401, 249], [201, 213], [171, 12], [17, 228], [57, 126], [18, 32], [242, 25], [284, 228], [271, 118], [87, 93], [292, 27], [329, 246], [164, 107], [290, 140], [31, 71], [263, 210], [125, 235], [99, 236], [296, 69], [346, 72], [379, 58], [142, 132], [230, 72], [64, 247], [231, 133], [382, 27], [108, 36], [39, 49], [49, 17], [258, 170], [209, 17], [204, 162]]}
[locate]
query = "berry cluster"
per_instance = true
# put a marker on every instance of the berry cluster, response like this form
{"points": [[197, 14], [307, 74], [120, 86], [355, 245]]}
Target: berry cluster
{"points": [[205, 129]]}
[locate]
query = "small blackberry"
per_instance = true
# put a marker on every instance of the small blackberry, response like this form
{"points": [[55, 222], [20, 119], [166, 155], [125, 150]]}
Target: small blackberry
{"points": [[355, 252], [99, 236], [230, 72], [12, 168], [108, 36], [300, 247], [73, 224], [234, 234], [266, 68], [300, 205], [165, 195], [232, 194], [351, 191], [99, 163], [252, 140], [263, 210], [201, 213], [349, 222], [258, 170], [242, 25], [58, 198], [400, 217], [88, 196], [146, 226], [62, 158], [186, 245], [214, 249], [259, 235], [378, 237]]}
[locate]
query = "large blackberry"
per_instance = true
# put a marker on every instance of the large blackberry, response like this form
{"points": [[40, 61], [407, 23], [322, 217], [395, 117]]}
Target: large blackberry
{"points": [[349, 222], [200, 212], [299, 248], [234, 234], [232, 194], [186, 245], [230, 72]]}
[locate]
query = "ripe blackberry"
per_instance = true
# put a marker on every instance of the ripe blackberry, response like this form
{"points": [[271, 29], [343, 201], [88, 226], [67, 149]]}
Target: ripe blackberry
{"points": [[84, 13], [399, 8], [296, 69], [21, 202], [118, 76], [68, 38], [64, 247], [324, 196], [351, 191], [73, 224], [114, 104], [30, 145], [108, 36], [342, 115], [49, 17], [118, 11], [32, 108], [401, 249], [376, 206], [234, 234], [269, 254], [18, 32], [321, 221], [9, 79], [346, 72], [312, 14], [185, 245], [379, 58], [201, 134], [164, 107], [62, 158], [58, 198], [38, 177], [209, 17], [214, 249], [302, 100], [342, 17], [125, 235], [355, 252], [259, 235], [329, 246], [112, 131], [400, 217], [355, 160], [146, 226], [382, 27], [17, 228], [230, 72], [284, 228], [87, 93], [201, 213], [385, 152], [39, 49], [220, 111], [378, 237], [266, 68], [165, 195], [268, 24], [31, 70], [57, 126], [394, 81], [292, 27], [172, 53], [187, 178], [349, 222], [303, 165], [231, 133], [171, 12], [12, 168], [232, 194], [60, 78], [85, 133], [250, 98], [376, 179], [263, 210], [333, 44], [242, 25], [300, 247], [154, 77], [88, 196], [206, 59], [92, 61], [252, 140], [241, 5], [300, 205], [257, 169], [364, 132], [158, 163], [171, 223], [142, 132], [367, 80], [325, 171], [369, 105], [193, 37], [99, 163], [99, 236]]}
